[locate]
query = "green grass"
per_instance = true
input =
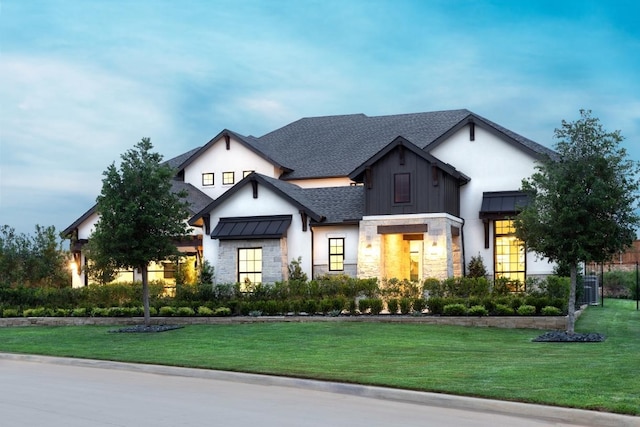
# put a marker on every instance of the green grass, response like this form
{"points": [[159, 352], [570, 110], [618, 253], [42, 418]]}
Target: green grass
{"points": [[494, 363]]}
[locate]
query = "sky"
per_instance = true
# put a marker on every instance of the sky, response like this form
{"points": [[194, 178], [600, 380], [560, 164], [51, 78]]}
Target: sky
{"points": [[82, 81]]}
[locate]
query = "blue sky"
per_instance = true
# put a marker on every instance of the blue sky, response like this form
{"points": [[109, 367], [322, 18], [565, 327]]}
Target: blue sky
{"points": [[83, 81]]}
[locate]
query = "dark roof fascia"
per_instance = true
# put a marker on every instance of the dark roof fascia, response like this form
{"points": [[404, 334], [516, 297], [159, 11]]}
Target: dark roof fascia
{"points": [[401, 141], [539, 153], [242, 139], [67, 232], [260, 179]]}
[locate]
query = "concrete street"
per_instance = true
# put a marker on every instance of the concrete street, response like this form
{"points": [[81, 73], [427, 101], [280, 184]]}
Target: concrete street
{"points": [[59, 392]]}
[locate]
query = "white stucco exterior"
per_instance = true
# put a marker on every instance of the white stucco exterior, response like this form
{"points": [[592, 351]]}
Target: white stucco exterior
{"points": [[493, 164]]}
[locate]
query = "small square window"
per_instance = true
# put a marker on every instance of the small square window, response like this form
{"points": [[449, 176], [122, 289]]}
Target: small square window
{"points": [[207, 179], [228, 178]]}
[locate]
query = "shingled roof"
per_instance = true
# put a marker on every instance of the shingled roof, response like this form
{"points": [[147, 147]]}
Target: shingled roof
{"points": [[335, 145]]}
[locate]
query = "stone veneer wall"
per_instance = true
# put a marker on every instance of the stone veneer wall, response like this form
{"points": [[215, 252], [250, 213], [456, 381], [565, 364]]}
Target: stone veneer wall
{"points": [[322, 269], [274, 259], [442, 254]]}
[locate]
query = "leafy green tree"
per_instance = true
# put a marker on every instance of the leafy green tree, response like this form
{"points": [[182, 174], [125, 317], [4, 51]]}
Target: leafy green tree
{"points": [[139, 216], [33, 260], [581, 202]]}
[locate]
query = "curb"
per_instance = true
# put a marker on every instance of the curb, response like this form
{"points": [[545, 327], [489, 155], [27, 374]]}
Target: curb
{"points": [[523, 410]]}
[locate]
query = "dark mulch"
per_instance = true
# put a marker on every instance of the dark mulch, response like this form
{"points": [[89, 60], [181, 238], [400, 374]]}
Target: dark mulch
{"points": [[561, 336], [147, 328]]}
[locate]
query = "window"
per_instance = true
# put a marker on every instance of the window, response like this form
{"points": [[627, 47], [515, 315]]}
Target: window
{"points": [[402, 188], [169, 270], [207, 178], [228, 178], [509, 255], [336, 254], [246, 173], [249, 266]]}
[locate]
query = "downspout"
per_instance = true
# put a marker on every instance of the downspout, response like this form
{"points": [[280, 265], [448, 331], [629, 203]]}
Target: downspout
{"points": [[464, 262], [312, 250]]}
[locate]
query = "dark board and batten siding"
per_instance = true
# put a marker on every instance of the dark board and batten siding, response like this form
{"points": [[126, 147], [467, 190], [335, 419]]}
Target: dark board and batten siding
{"points": [[432, 190]]}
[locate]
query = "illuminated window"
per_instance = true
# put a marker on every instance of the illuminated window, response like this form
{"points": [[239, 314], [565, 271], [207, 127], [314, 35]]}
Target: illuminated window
{"points": [[510, 255], [207, 178], [169, 270], [249, 266], [228, 178], [402, 188], [336, 254], [246, 173]]}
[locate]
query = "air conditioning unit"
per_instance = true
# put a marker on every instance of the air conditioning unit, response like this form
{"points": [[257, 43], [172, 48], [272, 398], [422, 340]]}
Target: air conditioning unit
{"points": [[590, 290]]}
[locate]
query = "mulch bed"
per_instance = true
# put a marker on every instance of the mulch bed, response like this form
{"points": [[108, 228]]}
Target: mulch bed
{"points": [[148, 328], [560, 336]]}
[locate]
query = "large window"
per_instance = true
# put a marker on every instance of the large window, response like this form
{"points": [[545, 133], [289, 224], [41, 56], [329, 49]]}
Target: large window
{"points": [[249, 266], [207, 178], [336, 254], [510, 255], [402, 188]]}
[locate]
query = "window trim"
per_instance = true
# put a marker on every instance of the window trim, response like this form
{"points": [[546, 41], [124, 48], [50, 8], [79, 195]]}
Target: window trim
{"points": [[338, 254], [225, 178], [401, 195], [520, 287], [208, 174], [243, 270]]}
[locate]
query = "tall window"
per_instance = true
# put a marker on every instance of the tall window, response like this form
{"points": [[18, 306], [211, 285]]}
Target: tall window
{"points": [[336, 254], [510, 255], [207, 178], [250, 265], [402, 188], [228, 178]]}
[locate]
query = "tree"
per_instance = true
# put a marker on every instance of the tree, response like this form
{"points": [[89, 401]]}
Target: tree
{"points": [[581, 202], [139, 216]]}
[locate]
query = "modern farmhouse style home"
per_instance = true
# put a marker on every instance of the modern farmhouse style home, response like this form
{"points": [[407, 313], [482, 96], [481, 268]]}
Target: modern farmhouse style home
{"points": [[407, 196]]}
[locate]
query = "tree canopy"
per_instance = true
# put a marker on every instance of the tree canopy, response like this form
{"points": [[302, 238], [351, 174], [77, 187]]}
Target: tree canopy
{"points": [[140, 218], [583, 201]]}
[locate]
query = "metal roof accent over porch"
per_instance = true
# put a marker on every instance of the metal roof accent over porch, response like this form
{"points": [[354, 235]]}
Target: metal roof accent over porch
{"points": [[252, 227], [501, 204]]}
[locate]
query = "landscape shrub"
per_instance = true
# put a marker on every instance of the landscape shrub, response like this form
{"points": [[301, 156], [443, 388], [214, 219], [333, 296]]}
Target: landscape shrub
{"points": [[37, 312], [477, 310], [455, 310], [551, 311], [99, 312], [60, 312], [352, 307], [10, 312], [405, 305], [79, 312], [204, 311], [526, 310], [185, 311], [433, 287], [376, 306], [619, 284], [166, 311], [393, 306], [419, 304], [435, 305], [222, 311], [503, 310], [364, 305], [311, 307]]}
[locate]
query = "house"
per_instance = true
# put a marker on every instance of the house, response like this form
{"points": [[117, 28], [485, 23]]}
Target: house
{"points": [[406, 196]]}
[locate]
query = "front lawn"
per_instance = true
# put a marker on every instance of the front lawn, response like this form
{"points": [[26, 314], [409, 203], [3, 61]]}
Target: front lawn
{"points": [[487, 362]]}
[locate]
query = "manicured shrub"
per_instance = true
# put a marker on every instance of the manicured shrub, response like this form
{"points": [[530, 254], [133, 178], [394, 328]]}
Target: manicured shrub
{"points": [[311, 307], [272, 308], [526, 310], [454, 310], [435, 305], [222, 311], [185, 311], [117, 312], [376, 306], [364, 305], [37, 312], [326, 305], [204, 311], [393, 305], [352, 306], [79, 312], [503, 310], [405, 305], [419, 304], [60, 312], [551, 311], [10, 312], [99, 312], [166, 311], [477, 310]]}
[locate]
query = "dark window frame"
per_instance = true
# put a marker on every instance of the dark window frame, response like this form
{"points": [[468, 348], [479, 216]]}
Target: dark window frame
{"points": [[506, 231], [401, 188], [205, 182], [336, 254], [226, 180], [246, 270]]}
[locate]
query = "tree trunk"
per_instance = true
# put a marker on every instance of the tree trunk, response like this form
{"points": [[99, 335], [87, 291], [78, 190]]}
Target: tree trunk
{"points": [[571, 308], [145, 295]]}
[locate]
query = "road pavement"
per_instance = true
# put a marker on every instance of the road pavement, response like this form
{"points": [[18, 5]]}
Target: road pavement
{"points": [[63, 392]]}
